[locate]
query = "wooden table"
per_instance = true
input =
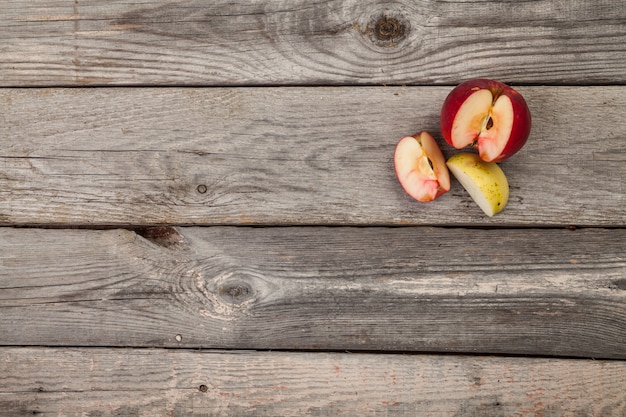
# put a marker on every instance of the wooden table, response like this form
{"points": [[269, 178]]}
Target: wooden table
{"points": [[200, 214]]}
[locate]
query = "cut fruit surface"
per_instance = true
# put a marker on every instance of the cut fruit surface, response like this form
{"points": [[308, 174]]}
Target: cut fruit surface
{"points": [[487, 115], [484, 181], [471, 118], [421, 167], [494, 135]]}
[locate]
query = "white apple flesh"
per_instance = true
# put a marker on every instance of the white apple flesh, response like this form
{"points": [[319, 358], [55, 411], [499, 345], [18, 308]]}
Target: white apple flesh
{"points": [[488, 115], [421, 167]]}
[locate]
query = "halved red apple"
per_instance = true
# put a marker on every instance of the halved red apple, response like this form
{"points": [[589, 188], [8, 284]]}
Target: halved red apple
{"points": [[486, 114], [421, 167]]}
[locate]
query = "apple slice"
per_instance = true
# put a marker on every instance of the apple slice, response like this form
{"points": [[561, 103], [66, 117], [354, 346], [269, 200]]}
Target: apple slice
{"points": [[488, 115], [421, 167], [484, 181]]}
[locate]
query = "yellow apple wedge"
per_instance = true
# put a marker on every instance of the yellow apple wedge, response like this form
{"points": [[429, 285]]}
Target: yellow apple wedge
{"points": [[484, 181]]}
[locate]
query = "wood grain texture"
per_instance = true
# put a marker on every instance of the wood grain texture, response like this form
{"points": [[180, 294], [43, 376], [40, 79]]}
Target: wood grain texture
{"points": [[176, 383], [543, 292], [272, 42], [289, 156]]}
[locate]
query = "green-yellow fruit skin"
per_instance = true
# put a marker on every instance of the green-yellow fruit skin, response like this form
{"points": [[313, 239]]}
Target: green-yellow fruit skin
{"points": [[484, 181]]}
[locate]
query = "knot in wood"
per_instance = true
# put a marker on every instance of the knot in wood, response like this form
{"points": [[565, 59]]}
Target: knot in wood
{"points": [[388, 29], [236, 292]]}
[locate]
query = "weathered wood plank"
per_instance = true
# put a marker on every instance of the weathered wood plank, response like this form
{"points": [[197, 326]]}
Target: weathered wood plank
{"points": [[176, 383], [195, 42], [288, 156], [547, 292]]}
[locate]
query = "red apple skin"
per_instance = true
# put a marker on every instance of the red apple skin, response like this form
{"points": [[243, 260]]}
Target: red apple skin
{"points": [[521, 115]]}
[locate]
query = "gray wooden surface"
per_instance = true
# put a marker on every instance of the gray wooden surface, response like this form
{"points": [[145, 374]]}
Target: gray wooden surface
{"points": [[284, 156], [536, 292], [199, 214], [191, 42], [149, 382]]}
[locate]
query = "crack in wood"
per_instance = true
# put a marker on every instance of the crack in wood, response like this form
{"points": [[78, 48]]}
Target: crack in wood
{"points": [[165, 236]]}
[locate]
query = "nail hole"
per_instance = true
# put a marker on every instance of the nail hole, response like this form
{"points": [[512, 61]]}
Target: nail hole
{"points": [[203, 388], [202, 188]]}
